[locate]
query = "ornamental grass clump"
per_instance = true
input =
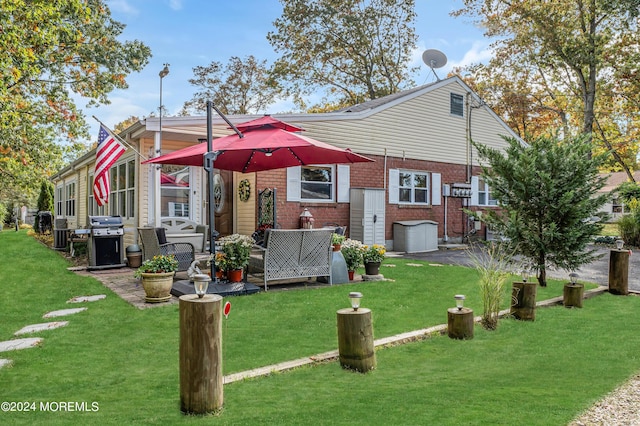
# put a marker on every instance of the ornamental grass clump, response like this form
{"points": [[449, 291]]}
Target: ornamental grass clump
{"points": [[158, 264], [492, 260], [352, 252], [237, 250], [373, 253]]}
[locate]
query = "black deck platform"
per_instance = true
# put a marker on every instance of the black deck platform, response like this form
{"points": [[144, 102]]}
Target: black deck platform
{"points": [[182, 287]]}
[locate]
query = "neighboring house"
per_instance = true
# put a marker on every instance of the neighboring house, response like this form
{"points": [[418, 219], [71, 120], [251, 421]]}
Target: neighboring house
{"points": [[614, 207], [425, 169]]}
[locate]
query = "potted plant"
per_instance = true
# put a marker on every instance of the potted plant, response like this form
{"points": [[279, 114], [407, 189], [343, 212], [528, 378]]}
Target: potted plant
{"points": [[352, 253], [237, 250], [372, 256], [221, 264], [157, 277], [337, 240]]}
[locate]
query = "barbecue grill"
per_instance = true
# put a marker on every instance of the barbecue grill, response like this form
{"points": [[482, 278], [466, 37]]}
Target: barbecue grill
{"points": [[105, 242]]}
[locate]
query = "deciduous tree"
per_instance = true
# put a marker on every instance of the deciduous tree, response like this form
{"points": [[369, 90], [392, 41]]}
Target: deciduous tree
{"points": [[52, 51], [349, 50], [578, 62], [240, 87]]}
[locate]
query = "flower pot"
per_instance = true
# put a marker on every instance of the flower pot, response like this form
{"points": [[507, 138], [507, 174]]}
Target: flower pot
{"points": [[372, 268], [351, 274], [219, 274], [234, 275], [337, 247], [157, 286]]}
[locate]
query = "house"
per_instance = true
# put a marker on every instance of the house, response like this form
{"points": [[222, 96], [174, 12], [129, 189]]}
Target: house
{"points": [[425, 169], [614, 208]]}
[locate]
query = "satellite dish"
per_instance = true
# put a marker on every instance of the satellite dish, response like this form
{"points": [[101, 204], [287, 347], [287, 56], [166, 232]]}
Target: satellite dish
{"points": [[434, 59]]}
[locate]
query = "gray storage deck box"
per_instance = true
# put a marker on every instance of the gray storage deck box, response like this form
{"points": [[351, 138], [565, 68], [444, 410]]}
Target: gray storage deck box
{"points": [[412, 236]]}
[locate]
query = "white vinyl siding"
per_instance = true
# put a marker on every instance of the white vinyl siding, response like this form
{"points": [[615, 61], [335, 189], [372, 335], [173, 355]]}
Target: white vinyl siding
{"points": [[420, 128]]}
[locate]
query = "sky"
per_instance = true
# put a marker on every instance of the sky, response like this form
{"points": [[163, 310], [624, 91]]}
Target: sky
{"points": [[190, 33]]}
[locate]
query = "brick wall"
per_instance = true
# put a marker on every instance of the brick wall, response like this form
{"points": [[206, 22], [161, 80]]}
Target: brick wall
{"points": [[372, 175]]}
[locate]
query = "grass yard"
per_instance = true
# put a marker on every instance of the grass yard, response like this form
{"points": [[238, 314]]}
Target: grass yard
{"points": [[610, 230], [126, 359]]}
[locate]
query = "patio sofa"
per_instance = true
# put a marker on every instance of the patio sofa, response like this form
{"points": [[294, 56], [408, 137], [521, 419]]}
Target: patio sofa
{"points": [[180, 230], [293, 253]]}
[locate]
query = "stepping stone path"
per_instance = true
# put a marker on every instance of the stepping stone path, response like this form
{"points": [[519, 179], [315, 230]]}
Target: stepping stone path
{"points": [[16, 344], [63, 312], [81, 299], [34, 328]]}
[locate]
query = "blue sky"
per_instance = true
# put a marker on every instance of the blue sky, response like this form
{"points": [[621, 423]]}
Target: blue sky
{"points": [[190, 33]]}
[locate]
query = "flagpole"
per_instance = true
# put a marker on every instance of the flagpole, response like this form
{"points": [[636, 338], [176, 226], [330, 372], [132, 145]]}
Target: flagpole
{"points": [[120, 139]]}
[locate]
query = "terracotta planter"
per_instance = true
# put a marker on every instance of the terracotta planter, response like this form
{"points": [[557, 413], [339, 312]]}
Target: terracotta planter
{"points": [[351, 274], [234, 275], [337, 247], [372, 268], [219, 274], [157, 286]]}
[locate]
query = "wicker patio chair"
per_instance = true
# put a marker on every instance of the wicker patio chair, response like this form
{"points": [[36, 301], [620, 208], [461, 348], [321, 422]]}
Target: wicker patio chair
{"points": [[152, 246]]}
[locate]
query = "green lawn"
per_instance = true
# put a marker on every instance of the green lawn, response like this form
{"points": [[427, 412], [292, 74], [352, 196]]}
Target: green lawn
{"points": [[126, 359]]}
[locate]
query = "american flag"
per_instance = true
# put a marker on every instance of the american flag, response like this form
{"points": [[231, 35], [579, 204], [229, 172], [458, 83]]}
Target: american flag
{"points": [[108, 152]]}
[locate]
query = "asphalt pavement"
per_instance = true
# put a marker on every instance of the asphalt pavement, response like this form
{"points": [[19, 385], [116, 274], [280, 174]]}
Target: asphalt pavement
{"points": [[596, 272]]}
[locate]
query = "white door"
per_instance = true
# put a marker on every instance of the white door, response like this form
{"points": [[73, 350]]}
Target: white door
{"points": [[373, 216]]}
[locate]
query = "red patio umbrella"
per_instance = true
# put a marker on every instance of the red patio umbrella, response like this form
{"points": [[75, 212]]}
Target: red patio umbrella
{"points": [[264, 145]]}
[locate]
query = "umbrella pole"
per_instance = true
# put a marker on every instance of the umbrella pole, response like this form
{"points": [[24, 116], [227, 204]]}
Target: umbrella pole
{"points": [[209, 158]]}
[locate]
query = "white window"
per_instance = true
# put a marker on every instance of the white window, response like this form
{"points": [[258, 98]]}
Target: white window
{"points": [[122, 192], [175, 191], [59, 201], [70, 200], [617, 206], [321, 183], [481, 194], [414, 187], [457, 105]]}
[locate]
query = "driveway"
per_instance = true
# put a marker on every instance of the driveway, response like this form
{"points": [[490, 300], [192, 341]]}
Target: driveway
{"points": [[597, 271]]}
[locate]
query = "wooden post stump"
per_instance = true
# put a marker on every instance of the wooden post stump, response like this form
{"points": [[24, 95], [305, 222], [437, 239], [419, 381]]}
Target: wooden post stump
{"points": [[355, 340], [572, 295], [201, 353], [619, 272], [460, 323], [523, 300]]}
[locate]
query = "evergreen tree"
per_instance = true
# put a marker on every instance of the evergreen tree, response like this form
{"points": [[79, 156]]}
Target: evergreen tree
{"points": [[548, 192], [45, 200]]}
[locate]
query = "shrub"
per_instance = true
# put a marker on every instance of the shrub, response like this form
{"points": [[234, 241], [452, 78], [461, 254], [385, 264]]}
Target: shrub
{"points": [[629, 227]]}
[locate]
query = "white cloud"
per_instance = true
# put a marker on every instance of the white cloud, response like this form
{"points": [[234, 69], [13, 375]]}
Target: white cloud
{"points": [[175, 4], [480, 52], [122, 6]]}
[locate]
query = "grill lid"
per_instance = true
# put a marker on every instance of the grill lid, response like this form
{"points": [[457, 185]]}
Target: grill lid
{"points": [[105, 221]]}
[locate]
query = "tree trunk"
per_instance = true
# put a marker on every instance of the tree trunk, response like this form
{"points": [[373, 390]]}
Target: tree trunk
{"points": [[542, 277], [619, 272], [200, 353], [523, 301], [355, 340], [572, 295], [460, 323]]}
